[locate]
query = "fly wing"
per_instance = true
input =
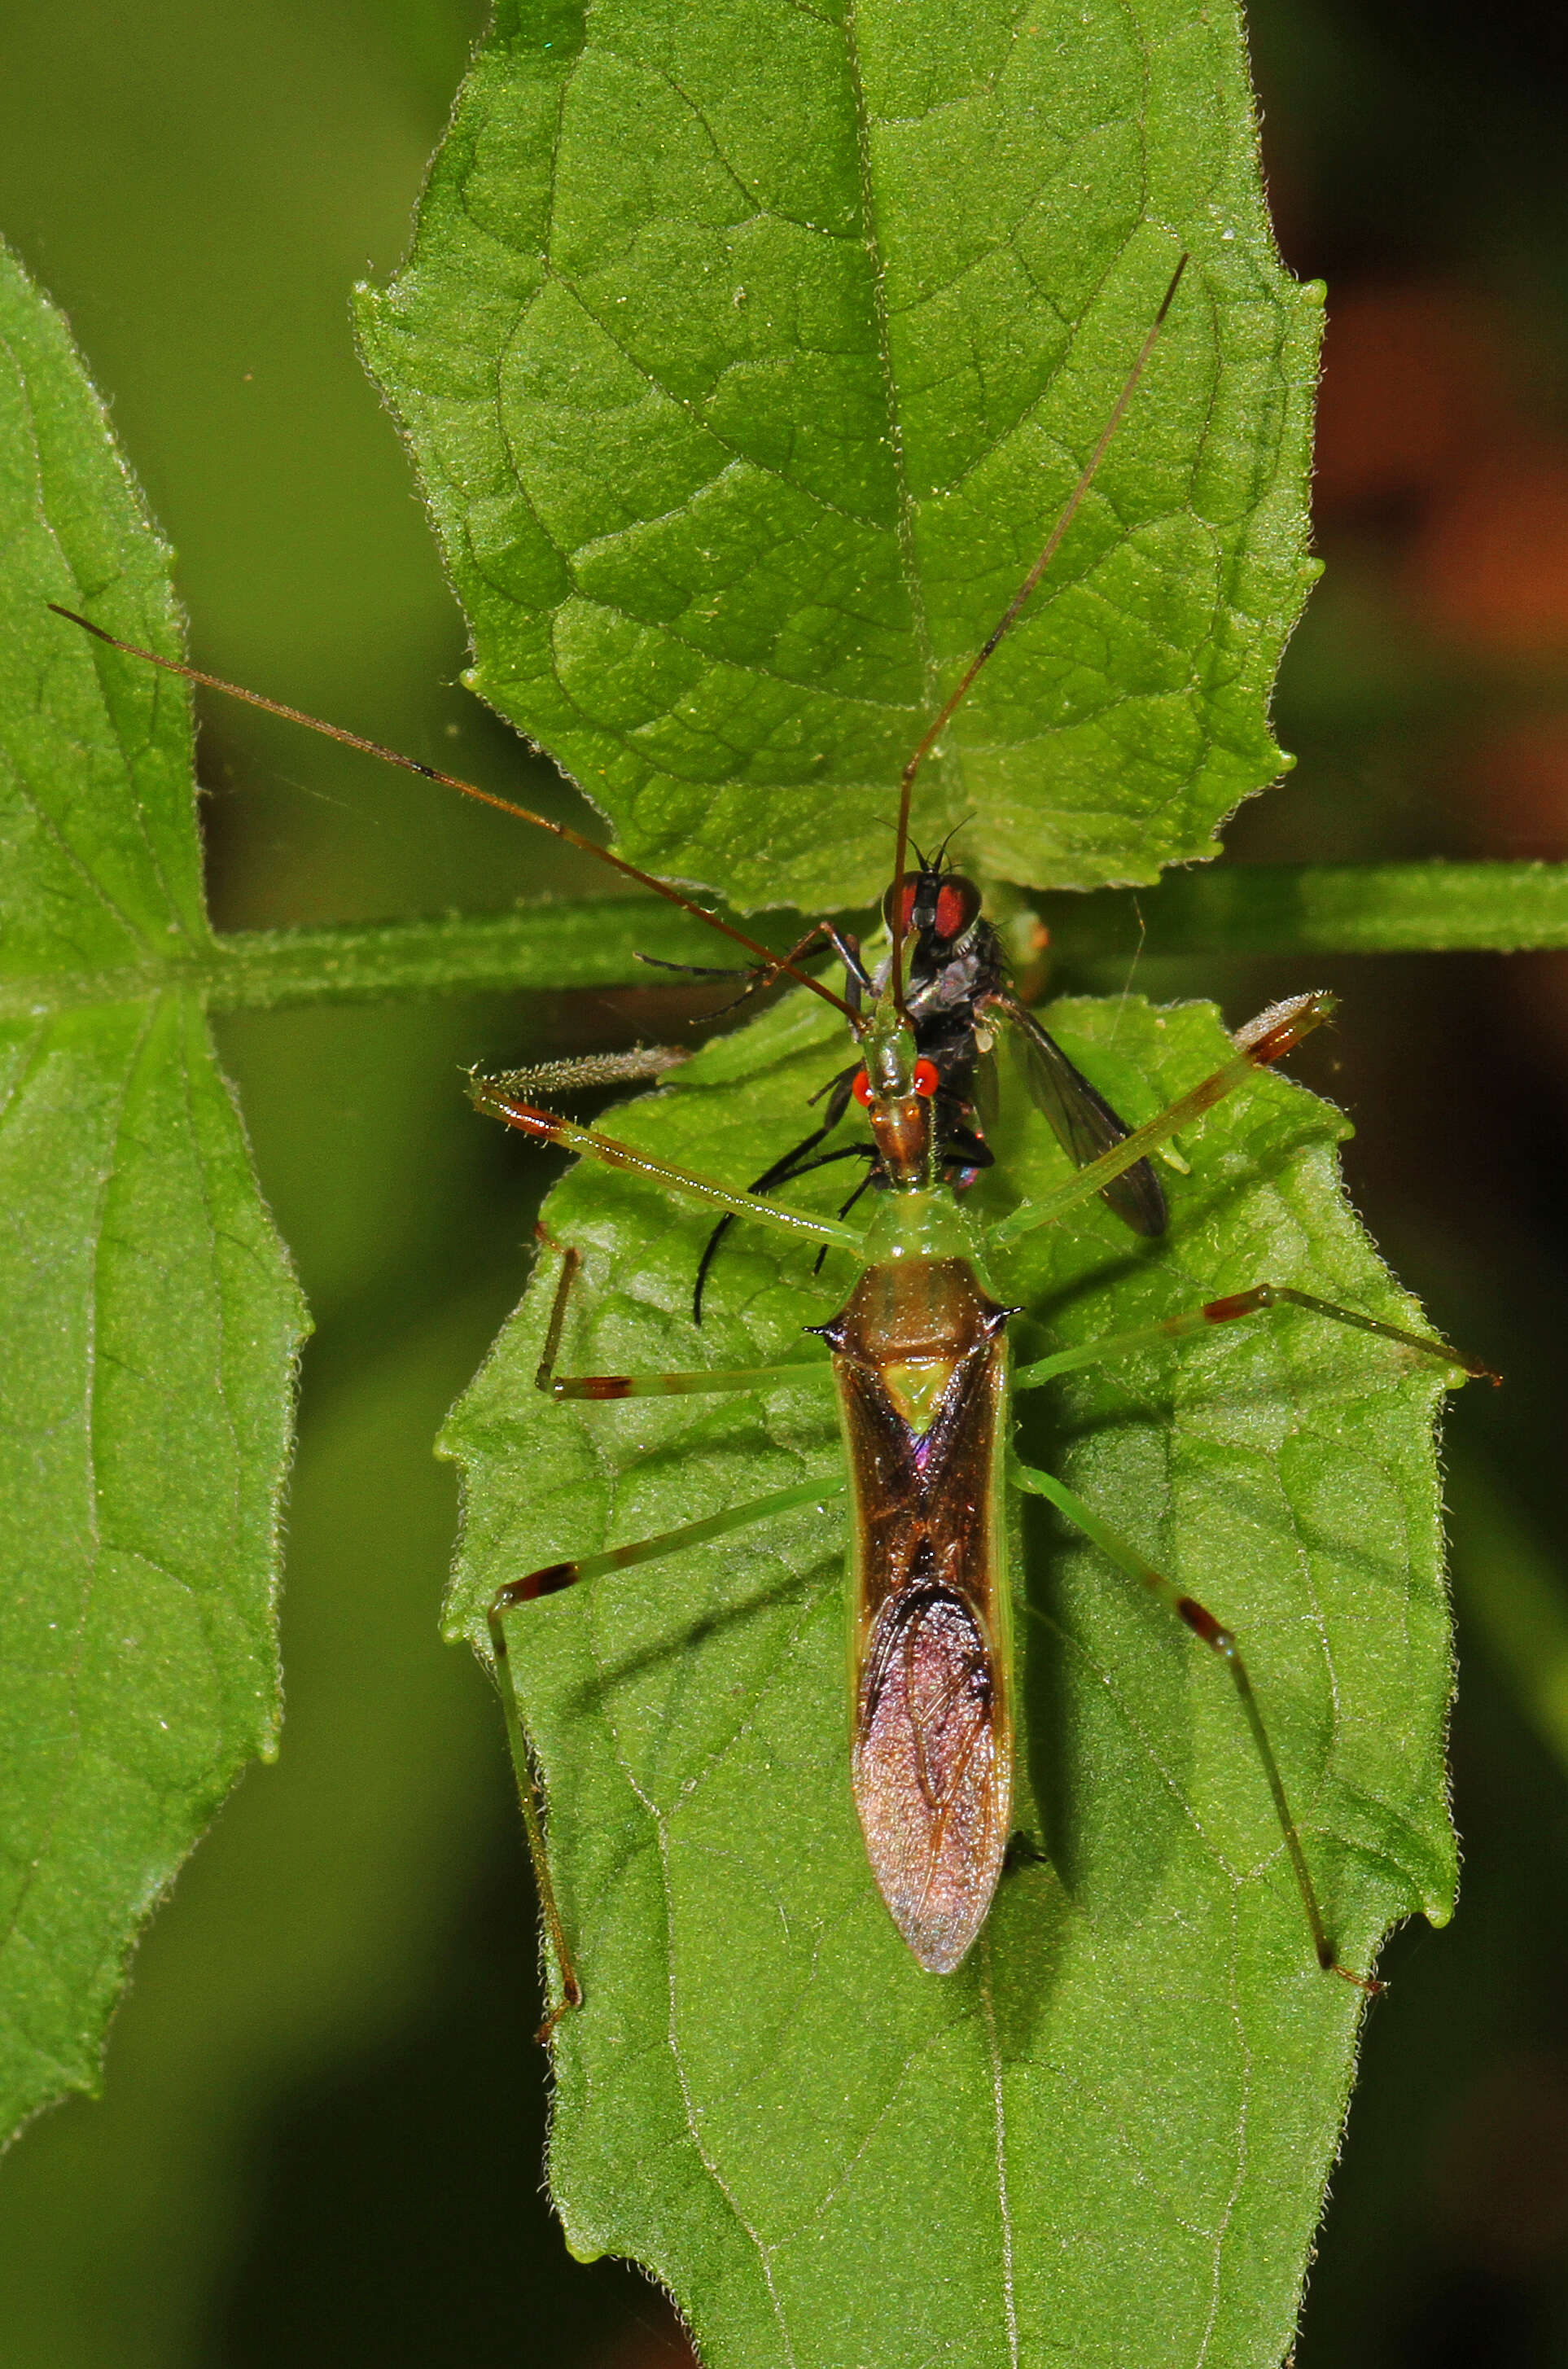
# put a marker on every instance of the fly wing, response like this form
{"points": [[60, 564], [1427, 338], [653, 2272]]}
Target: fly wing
{"points": [[1083, 1122], [985, 1097]]}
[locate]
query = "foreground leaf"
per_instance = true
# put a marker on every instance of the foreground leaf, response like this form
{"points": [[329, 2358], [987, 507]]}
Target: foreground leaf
{"points": [[748, 353], [1106, 2137], [150, 1318]]}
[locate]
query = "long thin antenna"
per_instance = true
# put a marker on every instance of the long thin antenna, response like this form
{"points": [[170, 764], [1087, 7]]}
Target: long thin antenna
{"points": [[772, 962], [1008, 619]]}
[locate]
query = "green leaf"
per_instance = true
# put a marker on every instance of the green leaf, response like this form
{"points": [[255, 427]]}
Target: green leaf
{"points": [[749, 354], [1106, 2137], [151, 1320]]}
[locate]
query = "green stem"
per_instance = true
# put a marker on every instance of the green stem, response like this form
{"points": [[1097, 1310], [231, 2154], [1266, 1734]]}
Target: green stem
{"points": [[590, 943], [1264, 909], [1321, 909]]}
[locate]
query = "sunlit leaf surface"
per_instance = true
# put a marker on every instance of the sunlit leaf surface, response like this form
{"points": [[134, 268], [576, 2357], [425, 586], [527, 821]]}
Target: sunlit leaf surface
{"points": [[150, 1321], [1105, 2138], [749, 352]]}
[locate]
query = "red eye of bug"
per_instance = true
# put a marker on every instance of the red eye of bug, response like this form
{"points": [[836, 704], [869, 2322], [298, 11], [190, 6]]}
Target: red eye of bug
{"points": [[925, 1077], [862, 1089]]}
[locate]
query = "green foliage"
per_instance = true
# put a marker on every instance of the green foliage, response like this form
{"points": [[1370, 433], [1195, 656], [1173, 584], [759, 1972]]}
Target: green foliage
{"points": [[748, 356], [1107, 2135], [150, 1320], [749, 352]]}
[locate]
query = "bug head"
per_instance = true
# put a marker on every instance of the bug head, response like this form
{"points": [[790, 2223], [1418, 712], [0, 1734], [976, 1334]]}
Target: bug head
{"points": [[895, 1088]]}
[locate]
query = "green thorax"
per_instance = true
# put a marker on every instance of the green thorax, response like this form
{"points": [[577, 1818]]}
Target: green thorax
{"points": [[923, 1223]]}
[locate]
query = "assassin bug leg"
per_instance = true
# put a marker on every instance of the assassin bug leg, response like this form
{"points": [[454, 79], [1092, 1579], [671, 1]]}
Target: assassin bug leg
{"points": [[1261, 1297], [770, 962], [550, 1581], [545, 1127], [571, 1265], [532, 1821], [1263, 1040], [1009, 617], [1219, 1641], [591, 1072], [641, 1386]]}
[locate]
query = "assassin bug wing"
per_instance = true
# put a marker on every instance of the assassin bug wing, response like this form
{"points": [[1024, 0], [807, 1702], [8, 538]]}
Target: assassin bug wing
{"points": [[930, 1776], [1082, 1120]]}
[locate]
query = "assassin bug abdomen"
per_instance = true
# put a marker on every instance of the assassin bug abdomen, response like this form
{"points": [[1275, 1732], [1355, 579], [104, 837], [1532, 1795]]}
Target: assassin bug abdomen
{"points": [[922, 1361]]}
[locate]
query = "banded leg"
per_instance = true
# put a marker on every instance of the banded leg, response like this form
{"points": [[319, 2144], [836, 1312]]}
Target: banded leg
{"points": [[1256, 1302], [553, 1577], [490, 1095], [549, 1581], [1219, 1641], [639, 1386]]}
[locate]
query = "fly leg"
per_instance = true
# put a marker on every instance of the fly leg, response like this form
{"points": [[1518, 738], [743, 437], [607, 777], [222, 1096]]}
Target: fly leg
{"points": [[1261, 1297], [865, 1152], [759, 975], [1219, 1641], [798, 1163]]}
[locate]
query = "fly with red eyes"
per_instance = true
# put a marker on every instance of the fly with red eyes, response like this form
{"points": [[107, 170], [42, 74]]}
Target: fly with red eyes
{"points": [[958, 991], [958, 999]]}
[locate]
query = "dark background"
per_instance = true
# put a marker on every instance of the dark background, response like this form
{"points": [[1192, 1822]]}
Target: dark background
{"points": [[322, 2131]]}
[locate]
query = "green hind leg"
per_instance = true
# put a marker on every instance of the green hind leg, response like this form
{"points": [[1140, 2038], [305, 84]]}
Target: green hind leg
{"points": [[553, 1577], [549, 1581], [1262, 1042], [1219, 1641]]}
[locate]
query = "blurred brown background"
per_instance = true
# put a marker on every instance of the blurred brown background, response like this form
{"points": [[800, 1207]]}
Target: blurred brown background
{"points": [[322, 2132]]}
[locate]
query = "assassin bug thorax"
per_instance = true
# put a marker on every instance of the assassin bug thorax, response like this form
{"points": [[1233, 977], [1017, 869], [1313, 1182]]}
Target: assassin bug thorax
{"points": [[918, 1353]]}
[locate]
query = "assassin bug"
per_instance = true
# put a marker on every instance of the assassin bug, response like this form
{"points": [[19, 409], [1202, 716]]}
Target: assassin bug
{"points": [[918, 1360]]}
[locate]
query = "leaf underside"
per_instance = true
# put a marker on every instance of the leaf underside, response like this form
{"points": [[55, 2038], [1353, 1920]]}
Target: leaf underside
{"points": [[150, 1318], [749, 352], [1105, 2136]]}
